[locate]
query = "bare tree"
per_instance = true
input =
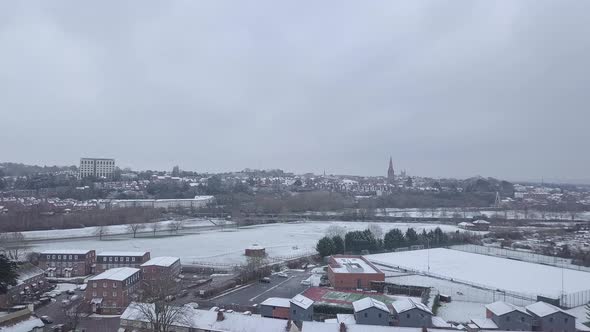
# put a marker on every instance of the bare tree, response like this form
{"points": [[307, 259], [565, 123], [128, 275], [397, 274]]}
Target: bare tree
{"points": [[156, 308], [134, 228], [74, 314], [100, 231], [11, 245], [176, 225], [376, 230], [335, 230]]}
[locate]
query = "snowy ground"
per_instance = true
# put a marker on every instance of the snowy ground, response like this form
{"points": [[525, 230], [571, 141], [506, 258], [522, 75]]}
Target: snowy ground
{"points": [[493, 272], [461, 312], [226, 247], [473, 212]]}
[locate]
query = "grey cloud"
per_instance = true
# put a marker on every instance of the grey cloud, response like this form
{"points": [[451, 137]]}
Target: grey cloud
{"points": [[449, 88]]}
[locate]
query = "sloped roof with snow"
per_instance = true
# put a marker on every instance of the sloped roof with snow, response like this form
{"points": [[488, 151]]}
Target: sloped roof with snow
{"points": [[367, 303], [481, 222], [277, 302], [542, 309], [122, 253], [161, 261], [65, 251], [302, 301], [500, 308], [345, 318], [484, 323], [404, 305], [119, 274]]}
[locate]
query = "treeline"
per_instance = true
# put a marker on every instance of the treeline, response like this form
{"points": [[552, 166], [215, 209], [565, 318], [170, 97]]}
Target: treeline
{"points": [[413, 199], [31, 219], [369, 240]]}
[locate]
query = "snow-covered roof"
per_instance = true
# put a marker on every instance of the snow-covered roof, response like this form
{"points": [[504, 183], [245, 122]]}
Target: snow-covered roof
{"points": [[27, 271], [327, 327], [438, 322], [208, 320], [25, 325], [164, 261], [120, 274], [500, 308], [65, 251], [255, 247], [484, 323], [464, 224], [302, 301], [408, 304], [367, 303], [277, 302], [481, 222], [352, 265], [542, 309], [122, 253]]}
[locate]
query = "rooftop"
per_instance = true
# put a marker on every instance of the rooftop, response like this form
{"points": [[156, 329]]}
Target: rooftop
{"points": [[120, 274], [408, 304], [500, 308], [65, 251], [277, 302], [164, 261], [484, 323], [302, 301], [542, 309], [352, 265], [367, 303], [122, 253]]}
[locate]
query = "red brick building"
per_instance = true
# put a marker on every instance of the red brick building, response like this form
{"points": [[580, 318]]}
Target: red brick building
{"points": [[255, 251], [30, 284], [67, 263], [161, 268], [114, 259], [275, 307], [352, 272], [111, 291]]}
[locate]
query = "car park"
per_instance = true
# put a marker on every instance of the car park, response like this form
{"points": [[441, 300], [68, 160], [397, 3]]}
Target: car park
{"points": [[265, 280]]}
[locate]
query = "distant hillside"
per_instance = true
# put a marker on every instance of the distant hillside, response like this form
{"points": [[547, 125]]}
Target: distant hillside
{"points": [[14, 169], [488, 185]]}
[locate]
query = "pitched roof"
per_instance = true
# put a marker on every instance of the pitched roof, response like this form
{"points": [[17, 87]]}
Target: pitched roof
{"points": [[542, 309], [120, 274], [277, 302], [500, 308], [302, 301], [65, 251], [122, 253], [161, 261], [367, 303], [404, 305], [484, 323]]}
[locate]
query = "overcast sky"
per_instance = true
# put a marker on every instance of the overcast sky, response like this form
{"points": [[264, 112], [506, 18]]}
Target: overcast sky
{"points": [[457, 88]]}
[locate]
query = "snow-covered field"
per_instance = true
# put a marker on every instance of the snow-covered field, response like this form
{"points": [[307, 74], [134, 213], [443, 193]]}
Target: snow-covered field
{"points": [[493, 272], [226, 247]]}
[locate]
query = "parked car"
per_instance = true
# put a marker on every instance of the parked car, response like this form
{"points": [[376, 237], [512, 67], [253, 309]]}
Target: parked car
{"points": [[183, 293], [70, 292], [74, 298], [46, 319], [170, 298], [283, 275], [65, 303], [306, 282], [265, 280]]}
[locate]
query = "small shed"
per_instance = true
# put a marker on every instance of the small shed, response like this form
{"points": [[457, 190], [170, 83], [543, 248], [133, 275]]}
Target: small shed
{"points": [[255, 250]]}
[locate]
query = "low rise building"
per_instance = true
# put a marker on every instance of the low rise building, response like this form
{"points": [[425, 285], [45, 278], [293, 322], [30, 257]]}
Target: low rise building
{"points": [[507, 316], [301, 308], [275, 307], [161, 269], [30, 283], [114, 259], [547, 317], [369, 311], [411, 313], [67, 263], [111, 291], [352, 272]]}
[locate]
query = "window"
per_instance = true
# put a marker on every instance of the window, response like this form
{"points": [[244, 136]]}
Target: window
{"points": [[114, 285], [104, 294], [379, 315], [565, 320], [70, 257], [104, 285], [110, 259], [366, 315], [75, 256], [114, 294], [104, 259], [551, 319], [53, 256], [522, 319], [127, 259], [294, 311], [48, 256], [407, 315], [116, 259], [58, 256], [133, 259], [94, 294]]}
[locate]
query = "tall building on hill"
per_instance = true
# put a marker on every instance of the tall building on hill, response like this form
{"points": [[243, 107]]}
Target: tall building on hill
{"points": [[390, 171], [96, 167]]}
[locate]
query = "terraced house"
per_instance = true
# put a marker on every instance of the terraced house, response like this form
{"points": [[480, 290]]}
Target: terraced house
{"points": [[114, 259], [67, 263]]}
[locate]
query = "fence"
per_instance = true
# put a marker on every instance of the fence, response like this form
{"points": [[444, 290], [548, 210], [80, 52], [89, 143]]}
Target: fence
{"points": [[525, 256]]}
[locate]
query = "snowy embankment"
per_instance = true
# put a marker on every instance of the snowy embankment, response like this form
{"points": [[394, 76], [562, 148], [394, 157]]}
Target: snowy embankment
{"points": [[58, 234]]}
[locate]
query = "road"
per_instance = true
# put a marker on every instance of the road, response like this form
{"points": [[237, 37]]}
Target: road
{"points": [[258, 292]]}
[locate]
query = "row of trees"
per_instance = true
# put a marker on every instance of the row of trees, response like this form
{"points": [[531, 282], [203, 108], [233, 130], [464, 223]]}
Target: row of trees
{"points": [[373, 240]]}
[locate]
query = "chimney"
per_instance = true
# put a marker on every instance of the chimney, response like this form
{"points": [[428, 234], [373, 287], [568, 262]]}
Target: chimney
{"points": [[220, 316], [342, 327]]}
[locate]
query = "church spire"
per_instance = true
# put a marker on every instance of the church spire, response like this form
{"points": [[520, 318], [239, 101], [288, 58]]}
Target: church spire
{"points": [[390, 171]]}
